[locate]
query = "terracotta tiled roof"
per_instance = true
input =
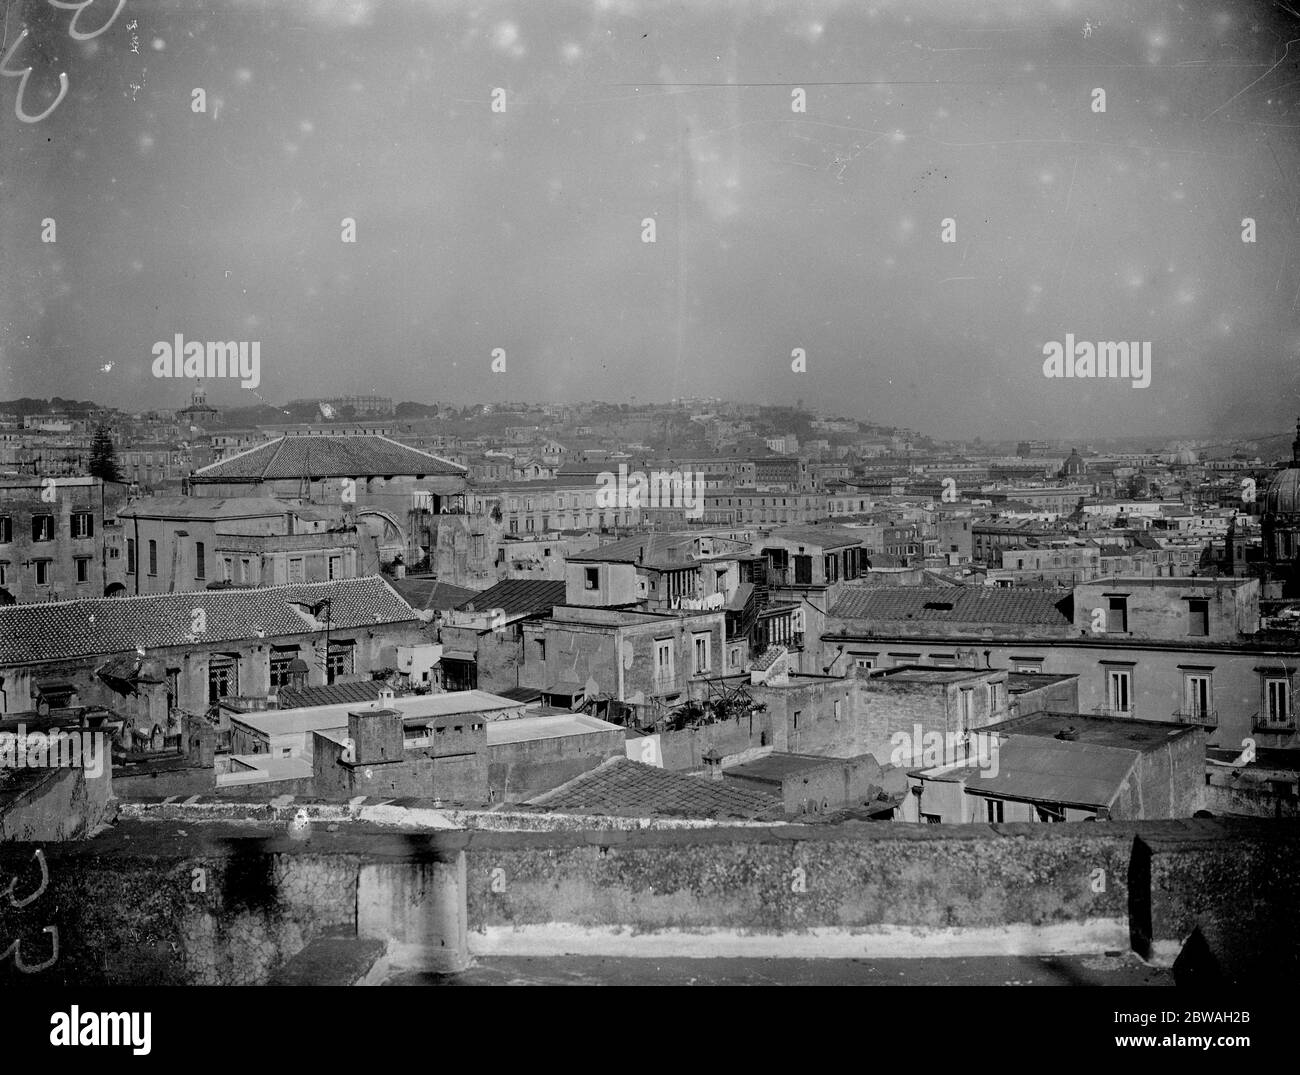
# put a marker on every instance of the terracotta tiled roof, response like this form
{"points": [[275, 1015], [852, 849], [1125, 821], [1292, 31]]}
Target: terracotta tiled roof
{"points": [[327, 457], [65, 629], [625, 787], [965, 604]]}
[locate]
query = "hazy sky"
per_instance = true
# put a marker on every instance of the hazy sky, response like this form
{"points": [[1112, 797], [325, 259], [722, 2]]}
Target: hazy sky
{"points": [[775, 230]]}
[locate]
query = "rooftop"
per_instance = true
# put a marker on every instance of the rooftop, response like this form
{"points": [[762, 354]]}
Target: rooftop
{"points": [[101, 626], [623, 787], [827, 537], [1141, 735], [197, 507], [776, 766], [431, 593], [297, 458], [911, 673], [954, 604], [1049, 771], [518, 597], [413, 708], [549, 726]]}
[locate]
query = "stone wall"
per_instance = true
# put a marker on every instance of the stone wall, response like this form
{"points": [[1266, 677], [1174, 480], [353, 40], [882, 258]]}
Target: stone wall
{"points": [[189, 899]]}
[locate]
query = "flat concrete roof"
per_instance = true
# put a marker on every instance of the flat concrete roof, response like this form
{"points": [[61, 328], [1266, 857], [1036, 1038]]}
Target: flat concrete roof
{"points": [[554, 726], [1099, 731], [915, 674], [412, 707]]}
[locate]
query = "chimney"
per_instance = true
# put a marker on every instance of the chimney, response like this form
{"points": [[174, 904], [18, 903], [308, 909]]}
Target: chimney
{"points": [[713, 763], [377, 736]]}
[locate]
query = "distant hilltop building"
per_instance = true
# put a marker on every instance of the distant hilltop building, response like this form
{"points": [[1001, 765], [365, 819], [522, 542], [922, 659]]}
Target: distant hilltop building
{"points": [[200, 412], [377, 405]]}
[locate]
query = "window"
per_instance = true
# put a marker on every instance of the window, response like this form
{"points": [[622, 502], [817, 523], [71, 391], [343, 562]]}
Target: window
{"points": [[227, 569], [83, 524], [967, 708], [1196, 695], [1117, 615], [42, 527], [4, 572], [173, 688], [541, 648], [1198, 617], [6, 529], [339, 660], [83, 568], [200, 555], [838, 704], [281, 658], [223, 677], [130, 556], [664, 659], [336, 566], [993, 810], [591, 578], [153, 557], [701, 654], [1119, 690], [514, 526], [1028, 666], [1277, 701], [297, 573], [42, 568]]}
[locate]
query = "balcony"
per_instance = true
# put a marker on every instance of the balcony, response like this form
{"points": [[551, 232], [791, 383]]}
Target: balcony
{"points": [[1260, 723], [1206, 717], [1115, 712]]}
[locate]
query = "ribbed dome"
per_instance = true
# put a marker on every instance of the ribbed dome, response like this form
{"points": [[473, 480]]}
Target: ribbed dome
{"points": [[1282, 497]]}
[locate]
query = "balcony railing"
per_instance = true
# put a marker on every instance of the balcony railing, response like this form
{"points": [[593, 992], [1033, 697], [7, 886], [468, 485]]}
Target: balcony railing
{"points": [[1207, 717], [1259, 723], [1114, 711]]}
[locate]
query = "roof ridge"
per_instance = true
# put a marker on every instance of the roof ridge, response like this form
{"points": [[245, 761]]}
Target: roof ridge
{"points": [[237, 455], [422, 451]]}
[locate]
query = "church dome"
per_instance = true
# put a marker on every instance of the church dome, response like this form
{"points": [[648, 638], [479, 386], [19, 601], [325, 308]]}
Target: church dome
{"points": [[1282, 496]]}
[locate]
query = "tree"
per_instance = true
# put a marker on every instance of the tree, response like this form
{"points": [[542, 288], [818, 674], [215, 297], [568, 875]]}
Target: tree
{"points": [[103, 459]]}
